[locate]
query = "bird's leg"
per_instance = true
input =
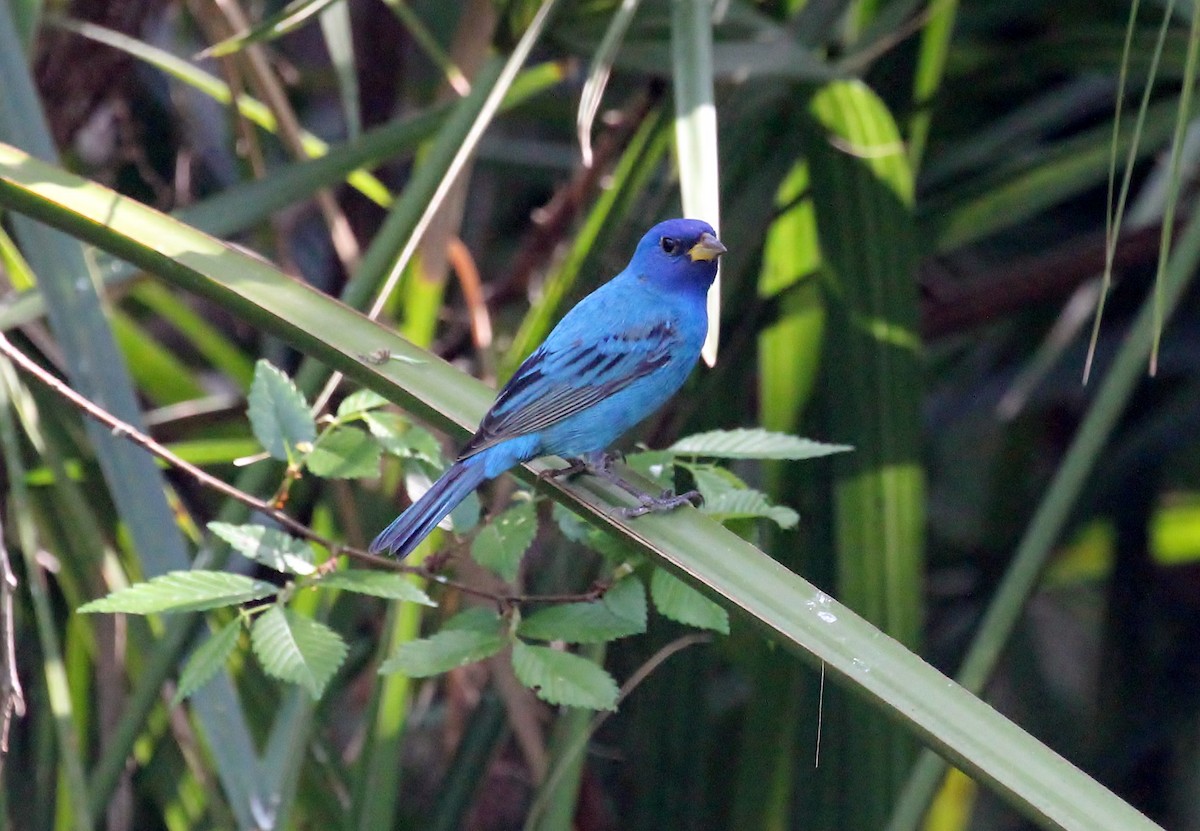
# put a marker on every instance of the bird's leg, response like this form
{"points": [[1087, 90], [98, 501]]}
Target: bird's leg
{"points": [[574, 465], [600, 465]]}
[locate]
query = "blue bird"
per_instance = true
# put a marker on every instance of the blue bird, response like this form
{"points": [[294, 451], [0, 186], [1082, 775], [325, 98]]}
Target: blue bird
{"points": [[609, 363]]}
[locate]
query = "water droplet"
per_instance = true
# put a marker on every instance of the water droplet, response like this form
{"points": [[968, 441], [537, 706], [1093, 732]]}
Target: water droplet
{"points": [[828, 617]]}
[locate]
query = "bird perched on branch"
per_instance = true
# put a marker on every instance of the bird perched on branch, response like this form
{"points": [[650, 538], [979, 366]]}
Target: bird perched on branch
{"points": [[610, 362]]}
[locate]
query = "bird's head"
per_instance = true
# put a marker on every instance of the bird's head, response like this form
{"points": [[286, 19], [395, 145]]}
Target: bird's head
{"points": [[679, 252]]}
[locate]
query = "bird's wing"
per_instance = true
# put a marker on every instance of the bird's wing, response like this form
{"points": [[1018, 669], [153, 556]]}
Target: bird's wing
{"points": [[553, 384]]}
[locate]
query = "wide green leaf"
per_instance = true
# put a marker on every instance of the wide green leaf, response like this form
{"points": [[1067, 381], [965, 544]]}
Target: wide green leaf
{"points": [[278, 413], [447, 650], [207, 660], [562, 678], [680, 602], [269, 546], [182, 591], [385, 584], [344, 453], [502, 543], [620, 613], [296, 648], [754, 443]]}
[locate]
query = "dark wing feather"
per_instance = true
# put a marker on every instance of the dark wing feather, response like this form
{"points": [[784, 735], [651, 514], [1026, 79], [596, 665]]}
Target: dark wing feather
{"points": [[552, 385]]}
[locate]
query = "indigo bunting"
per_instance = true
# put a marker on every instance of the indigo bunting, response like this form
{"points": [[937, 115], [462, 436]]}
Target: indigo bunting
{"points": [[609, 363]]}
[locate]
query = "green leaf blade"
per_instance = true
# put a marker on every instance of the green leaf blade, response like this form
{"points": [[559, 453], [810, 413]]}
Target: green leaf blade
{"points": [[754, 443], [298, 649], [268, 546], [563, 678], [678, 601], [390, 586], [502, 543], [279, 415], [447, 650], [344, 453], [182, 591], [620, 613], [207, 660]]}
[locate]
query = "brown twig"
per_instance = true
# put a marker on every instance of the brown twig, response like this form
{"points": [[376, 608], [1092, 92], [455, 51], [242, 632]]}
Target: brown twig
{"points": [[125, 430]]}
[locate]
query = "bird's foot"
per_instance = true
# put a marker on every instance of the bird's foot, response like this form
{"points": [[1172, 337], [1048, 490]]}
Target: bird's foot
{"points": [[665, 501], [597, 464]]}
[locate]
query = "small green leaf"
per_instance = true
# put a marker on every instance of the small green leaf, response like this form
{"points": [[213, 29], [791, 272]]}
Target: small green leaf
{"points": [[390, 585], [753, 444], [680, 602], [562, 678], [359, 402], [344, 453], [612, 547], [279, 415], [269, 546], [182, 591], [402, 438], [447, 650], [502, 543], [207, 660], [748, 504], [621, 612], [476, 618], [295, 648]]}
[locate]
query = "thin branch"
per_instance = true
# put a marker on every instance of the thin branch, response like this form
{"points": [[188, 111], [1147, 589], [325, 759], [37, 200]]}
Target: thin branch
{"points": [[128, 431]]}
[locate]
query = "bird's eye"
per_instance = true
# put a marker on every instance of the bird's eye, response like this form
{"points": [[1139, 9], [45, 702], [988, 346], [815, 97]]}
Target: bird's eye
{"points": [[669, 245]]}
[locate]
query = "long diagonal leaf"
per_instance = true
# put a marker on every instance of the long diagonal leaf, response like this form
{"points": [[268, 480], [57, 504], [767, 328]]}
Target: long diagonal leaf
{"points": [[967, 731]]}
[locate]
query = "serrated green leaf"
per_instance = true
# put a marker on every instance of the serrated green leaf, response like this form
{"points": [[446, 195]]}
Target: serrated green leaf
{"points": [[269, 546], [620, 613], [279, 415], [182, 591], [298, 649], [207, 660], [390, 585], [563, 678], [748, 504], [678, 601], [614, 549], [753, 443], [653, 464], [344, 453], [476, 618], [502, 543], [447, 650], [402, 438], [359, 402]]}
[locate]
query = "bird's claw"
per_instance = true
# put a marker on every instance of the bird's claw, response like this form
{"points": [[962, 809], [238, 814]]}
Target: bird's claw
{"points": [[666, 501]]}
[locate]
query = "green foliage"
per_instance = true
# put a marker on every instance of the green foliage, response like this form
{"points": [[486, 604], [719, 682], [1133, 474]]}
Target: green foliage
{"points": [[269, 546], [447, 650], [562, 678], [677, 600], [621, 612], [754, 443], [207, 660], [182, 591], [390, 586], [500, 545], [344, 453], [278, 413], [296, 648]]}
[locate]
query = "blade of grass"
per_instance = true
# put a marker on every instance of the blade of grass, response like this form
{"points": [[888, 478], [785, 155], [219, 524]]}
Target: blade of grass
{"points": [[289, 18], [973, 736], [339, 42], [1174, 182], [931, 66], [1114, 218], [73, 783], [598, 73], [95, 366], [696, 134]]}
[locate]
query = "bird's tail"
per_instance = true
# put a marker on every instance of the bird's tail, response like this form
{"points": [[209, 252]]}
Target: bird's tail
{"points": [[408, 529]]}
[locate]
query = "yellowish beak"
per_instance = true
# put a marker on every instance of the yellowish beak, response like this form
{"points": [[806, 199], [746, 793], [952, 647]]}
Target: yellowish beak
{"points": [[708, 248]]}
